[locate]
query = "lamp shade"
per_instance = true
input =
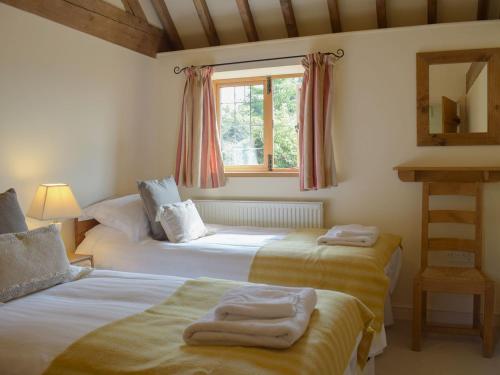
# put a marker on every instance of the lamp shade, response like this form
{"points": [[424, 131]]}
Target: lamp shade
{"points": [[54, 201]]}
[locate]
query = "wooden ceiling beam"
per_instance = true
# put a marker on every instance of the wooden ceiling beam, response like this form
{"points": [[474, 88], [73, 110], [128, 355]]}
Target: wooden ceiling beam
{"points": [[207, 22], [482, 9], [289, 17], [431, 11], [133, 6], [381, 14], [333, 10], [247, 20], [100, 19], [116, 14], [168, 24]]}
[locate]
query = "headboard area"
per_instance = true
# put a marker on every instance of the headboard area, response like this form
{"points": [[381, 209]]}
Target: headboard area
{"points": [[81, 227], [276, 214]]}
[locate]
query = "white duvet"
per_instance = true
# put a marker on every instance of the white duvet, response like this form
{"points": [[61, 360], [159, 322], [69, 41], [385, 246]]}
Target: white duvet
{"points": [[36, 328], [226, 254]]}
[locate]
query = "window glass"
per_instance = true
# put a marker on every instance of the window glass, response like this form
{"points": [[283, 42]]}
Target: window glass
{"points": [[242, 124], [286, 96]]}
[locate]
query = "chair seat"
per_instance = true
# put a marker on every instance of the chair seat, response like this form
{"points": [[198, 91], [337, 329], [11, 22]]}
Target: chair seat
{"points": [[453, 280]]}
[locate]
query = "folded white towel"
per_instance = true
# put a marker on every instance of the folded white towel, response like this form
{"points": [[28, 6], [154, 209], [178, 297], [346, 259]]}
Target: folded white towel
{"points": [[350, 235], [354, 230], [339, 242], [270, 333], [257, 302]]}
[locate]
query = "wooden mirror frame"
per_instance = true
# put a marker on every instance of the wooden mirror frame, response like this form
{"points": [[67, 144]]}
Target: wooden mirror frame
{"points": [[424, 60]]}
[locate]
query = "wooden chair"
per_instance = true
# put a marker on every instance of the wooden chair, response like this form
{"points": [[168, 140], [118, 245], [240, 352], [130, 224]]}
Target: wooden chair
{"points": [[460, 280]]}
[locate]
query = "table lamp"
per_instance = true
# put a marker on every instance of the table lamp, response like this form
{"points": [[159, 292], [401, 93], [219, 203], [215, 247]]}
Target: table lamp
{"points": [[54, 202]]}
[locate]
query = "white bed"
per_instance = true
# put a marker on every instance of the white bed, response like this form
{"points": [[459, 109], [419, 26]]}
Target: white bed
{"points": [[226, 254], [36, 328]]}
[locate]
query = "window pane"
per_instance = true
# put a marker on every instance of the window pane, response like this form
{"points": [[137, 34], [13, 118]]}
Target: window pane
{"points": [[227, 95], [242, 124], [286, 96]]}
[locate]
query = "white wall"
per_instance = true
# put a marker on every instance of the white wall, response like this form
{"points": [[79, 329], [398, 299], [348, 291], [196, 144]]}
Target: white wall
{"points": [[444, 80], [477, 103], [447, 80], [72, 109], [374, 131]]}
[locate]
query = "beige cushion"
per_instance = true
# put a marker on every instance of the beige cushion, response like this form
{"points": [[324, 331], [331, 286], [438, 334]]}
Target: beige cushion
{"points": [[181, 222], [31, 261]]}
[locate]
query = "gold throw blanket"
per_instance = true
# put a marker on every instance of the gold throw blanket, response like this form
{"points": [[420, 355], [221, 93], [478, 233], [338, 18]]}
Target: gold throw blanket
{"points": [[151, 342], [298, 260]]}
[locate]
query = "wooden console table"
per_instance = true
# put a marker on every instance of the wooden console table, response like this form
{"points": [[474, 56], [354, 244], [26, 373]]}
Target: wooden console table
{"points": [[459, 181], [408, 173]]}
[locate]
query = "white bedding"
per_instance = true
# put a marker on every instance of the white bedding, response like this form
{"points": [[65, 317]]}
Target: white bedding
{"points": [[36, 328], [226, 254]]}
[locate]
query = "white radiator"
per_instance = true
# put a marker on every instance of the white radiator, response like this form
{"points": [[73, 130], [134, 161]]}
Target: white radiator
{"points": [[277, 214]]}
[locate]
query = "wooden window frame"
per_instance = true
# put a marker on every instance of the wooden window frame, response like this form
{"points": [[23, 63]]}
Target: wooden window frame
{"points": [[256, 170]]}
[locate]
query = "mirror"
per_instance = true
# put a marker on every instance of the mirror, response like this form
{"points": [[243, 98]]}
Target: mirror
{"points": [[458, 97]]}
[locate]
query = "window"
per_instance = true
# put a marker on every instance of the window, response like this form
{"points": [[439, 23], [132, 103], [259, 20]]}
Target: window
{"points": [[258, 119]]}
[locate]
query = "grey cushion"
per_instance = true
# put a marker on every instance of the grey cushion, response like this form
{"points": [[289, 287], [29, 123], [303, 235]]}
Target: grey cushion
{"points": [[155, 194], [31, 261], [11, 216]]}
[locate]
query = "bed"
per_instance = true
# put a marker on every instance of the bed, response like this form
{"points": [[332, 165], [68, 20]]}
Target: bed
{"points": [[36, 330], [228, 253]]}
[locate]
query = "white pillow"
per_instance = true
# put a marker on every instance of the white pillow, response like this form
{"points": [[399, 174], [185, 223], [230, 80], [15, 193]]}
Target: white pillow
{"points": [[125, 214], [181, 222], [32, 261]]}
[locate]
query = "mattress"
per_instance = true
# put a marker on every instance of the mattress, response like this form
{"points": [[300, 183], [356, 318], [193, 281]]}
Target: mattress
{"points": [[36, 328]]}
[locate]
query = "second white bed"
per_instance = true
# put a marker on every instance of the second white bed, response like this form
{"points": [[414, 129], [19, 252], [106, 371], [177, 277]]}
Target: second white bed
{"points": [[226, 254], [37, 328]]}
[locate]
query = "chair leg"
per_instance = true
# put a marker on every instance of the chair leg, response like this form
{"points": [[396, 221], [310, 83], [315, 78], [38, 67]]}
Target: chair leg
{"points": [[424, 307], [417, 315], [476, 318], [488, 329]]}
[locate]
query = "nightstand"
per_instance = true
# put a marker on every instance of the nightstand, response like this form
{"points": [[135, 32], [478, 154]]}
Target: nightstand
{"points": [[74, 259]]}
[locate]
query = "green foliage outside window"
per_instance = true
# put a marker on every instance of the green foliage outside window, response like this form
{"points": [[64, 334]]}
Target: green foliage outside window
{"points": [[285, 121]]}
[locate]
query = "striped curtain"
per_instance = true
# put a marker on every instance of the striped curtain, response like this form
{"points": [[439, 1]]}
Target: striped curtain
{"points": [[199, 159], [317, 165]]}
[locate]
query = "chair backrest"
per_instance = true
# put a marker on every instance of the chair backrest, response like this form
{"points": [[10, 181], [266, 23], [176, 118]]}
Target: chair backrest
{"points": [[474, 246]]}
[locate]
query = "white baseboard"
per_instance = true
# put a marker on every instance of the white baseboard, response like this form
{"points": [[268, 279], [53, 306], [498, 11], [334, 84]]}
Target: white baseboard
{"points": [[402, 312]]}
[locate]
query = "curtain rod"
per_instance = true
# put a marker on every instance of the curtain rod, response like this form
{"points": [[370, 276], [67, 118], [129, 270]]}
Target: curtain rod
{"points": [[178, 69]]}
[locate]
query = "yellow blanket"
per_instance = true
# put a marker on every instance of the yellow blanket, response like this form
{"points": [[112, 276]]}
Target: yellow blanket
{"points": [[151, 342], [297, 260]]}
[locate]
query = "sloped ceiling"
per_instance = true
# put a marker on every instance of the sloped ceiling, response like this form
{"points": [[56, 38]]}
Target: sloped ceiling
{"points": [[152, 26], [312, 16]]}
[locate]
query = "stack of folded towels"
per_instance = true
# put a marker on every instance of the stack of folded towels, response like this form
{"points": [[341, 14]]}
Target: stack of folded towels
{"points": [[256, 315], [350, 235]]}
